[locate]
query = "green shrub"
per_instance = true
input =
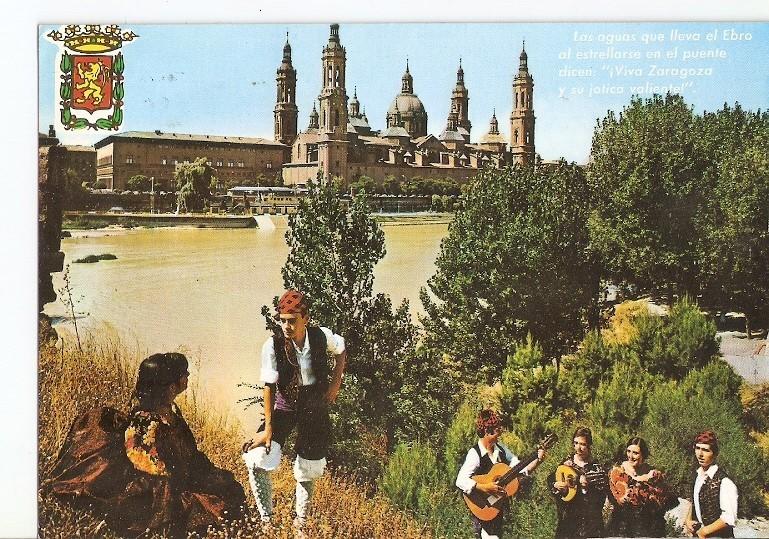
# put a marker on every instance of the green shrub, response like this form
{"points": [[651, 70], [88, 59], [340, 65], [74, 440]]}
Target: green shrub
{"points": [[704, 400], [675, 345], [413, 480], [528, 378], [461, 435], [619, 407], [583, 372]]}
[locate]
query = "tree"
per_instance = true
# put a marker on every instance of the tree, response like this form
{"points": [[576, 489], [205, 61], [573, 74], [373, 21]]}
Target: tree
{"points": [[194, 182], [647, 174], [734, 228], [515, 261], [364, 183], [138, 182], [75, 195], [333, 248]]}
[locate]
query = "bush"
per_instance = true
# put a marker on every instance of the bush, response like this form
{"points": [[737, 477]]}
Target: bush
{"points": [[461, 435], [618, 408], [583, 372], [704, 400], [675, 345], [528, 378]]}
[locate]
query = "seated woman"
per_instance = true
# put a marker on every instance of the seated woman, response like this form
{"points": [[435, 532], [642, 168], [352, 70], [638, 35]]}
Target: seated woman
{"points": [[638, 494], [144, 471]]}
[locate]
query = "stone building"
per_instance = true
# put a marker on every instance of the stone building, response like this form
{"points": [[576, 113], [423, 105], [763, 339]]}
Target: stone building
{"points": [[339, 141], [155, 154]]}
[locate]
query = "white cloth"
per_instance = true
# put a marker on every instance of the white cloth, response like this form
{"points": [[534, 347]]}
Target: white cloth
{"points": [[258, 457], [308, 470], [303, 496], [465, 482], [727, 495], [269, 374]]}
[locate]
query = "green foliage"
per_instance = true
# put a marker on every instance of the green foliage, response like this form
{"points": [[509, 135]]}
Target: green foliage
{"points": [[584, 370], [649, 195], [364, 183], [532, 514], [75, 195], [515, 261], [414, 481], [138, 182], [676, 344], [193, 184], [528, 380], [619, 407], [461, 434], [755, 405], [706, 399]]}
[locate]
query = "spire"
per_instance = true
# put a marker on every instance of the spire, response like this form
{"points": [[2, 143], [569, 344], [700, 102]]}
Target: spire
{"points": [[287, 51], [314, 123], [460, 73], [523, 65], [407, 86], [355, 104], [494, 124]]}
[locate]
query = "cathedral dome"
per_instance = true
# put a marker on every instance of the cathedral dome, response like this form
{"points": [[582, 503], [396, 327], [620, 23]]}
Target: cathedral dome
{"points": [[406, 103]]}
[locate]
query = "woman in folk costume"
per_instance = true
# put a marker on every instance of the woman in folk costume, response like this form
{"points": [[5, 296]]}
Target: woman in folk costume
{"points": [[143, 470]]}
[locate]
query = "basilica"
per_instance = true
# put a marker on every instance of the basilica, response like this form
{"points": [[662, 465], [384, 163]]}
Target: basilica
{"points": [[340, 142]]}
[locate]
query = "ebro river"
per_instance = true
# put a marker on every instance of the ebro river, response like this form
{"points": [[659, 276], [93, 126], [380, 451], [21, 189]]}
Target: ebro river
{"points": [[200, 291]]}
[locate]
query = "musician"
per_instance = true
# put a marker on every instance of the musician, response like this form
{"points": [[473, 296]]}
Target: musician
{"points": [[582, 515], [714, 506], [639, 495], [479, 461]]}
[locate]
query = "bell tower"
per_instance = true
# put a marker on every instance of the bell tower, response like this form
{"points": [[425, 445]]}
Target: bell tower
{"points": [[522, 117], [332, 146], [286, 111], [459, 101]]}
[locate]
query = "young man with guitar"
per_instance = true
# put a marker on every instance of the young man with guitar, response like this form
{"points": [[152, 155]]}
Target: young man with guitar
{"points": [[579, 486], [714, 504], [490, 475]]}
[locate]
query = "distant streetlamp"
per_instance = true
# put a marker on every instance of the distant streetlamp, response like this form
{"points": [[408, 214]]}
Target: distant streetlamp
{"points": [[152, 194]]}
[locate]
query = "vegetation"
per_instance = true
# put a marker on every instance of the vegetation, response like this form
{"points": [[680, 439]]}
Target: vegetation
{"points": [[103, 374], [516, 261], [194, 182]]}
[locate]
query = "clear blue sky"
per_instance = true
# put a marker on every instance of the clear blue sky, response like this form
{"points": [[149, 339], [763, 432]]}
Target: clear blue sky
{"points": [[220, 79]]}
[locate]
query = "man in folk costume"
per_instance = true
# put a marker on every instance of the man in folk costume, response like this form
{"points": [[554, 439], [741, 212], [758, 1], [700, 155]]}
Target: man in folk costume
{"points": [[714, 508], [298, 389], [479, 461]]}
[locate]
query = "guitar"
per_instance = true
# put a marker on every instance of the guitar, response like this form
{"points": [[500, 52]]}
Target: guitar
{"points": [[487, 506]]}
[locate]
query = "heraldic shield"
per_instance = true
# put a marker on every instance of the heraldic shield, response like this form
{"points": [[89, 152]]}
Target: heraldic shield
{"points": [[92, 83]]}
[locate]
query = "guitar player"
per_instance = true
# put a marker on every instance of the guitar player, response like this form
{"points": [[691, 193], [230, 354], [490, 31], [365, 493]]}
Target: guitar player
{"points": [[580, 516], [480, 459]]}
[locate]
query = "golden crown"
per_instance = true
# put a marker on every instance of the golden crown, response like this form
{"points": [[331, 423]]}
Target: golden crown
{"points": [[92, 38]]}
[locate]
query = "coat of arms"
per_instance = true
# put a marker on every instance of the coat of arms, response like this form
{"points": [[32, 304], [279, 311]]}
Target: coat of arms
{"points": [[92, 79]]}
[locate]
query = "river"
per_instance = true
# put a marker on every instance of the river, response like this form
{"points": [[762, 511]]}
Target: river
{"points": [[201, 291]]}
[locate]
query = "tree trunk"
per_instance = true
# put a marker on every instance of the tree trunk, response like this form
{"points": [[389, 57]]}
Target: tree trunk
{"points": [[747, 327]]}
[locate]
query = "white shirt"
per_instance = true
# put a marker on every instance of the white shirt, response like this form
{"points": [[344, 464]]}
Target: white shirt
{"points": [[727, 495], [334, 344], [472, 461]]}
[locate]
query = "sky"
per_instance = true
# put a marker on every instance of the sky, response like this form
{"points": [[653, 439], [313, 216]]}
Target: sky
{"points": [[220, 78], [28, 62]]}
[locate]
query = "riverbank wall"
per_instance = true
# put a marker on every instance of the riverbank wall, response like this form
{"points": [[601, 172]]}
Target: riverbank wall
{"points": [[96, 220]]}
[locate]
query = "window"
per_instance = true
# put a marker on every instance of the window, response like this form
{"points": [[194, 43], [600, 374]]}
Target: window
{"points": [[240, 164], [164, 161], [129, 159], [269, 165], [230, 163], [219, 163]]}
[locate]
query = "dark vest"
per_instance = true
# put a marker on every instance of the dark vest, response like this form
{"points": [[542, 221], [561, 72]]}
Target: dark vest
{"points": [[486, 463], [710, 503], [318, 359]]}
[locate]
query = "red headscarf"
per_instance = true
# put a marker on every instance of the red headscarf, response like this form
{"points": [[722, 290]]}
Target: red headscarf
{"points": [[292, 302], [708, 437], [487, 420]]}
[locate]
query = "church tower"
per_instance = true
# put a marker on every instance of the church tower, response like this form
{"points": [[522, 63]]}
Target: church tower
{"points": [[286, 111], [522, 117], [333, 99], [332, 146], [459, 103]]}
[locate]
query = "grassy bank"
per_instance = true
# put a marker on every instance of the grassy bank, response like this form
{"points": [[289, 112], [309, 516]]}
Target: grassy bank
{"points": [[103, 373]]}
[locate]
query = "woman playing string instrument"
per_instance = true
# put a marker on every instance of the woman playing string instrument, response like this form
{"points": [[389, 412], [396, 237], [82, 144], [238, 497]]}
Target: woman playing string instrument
{"points": [[579, 486], [639, 495]]}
